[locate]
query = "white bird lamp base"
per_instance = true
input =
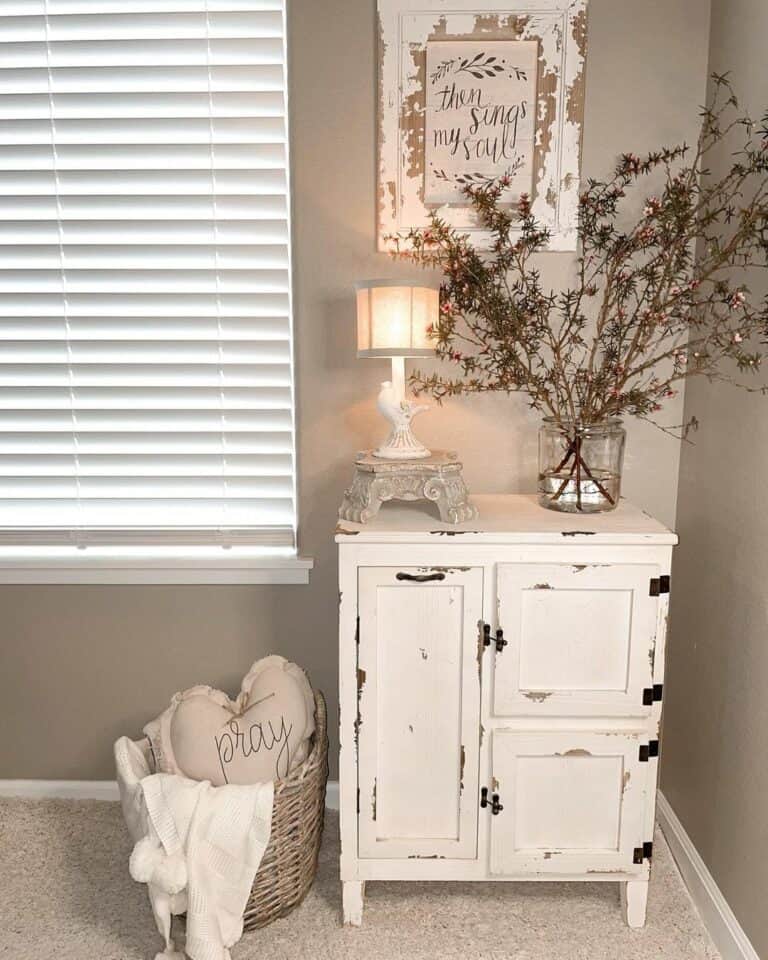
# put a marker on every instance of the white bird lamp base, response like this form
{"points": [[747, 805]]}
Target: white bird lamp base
{"points": [[395, 407]]}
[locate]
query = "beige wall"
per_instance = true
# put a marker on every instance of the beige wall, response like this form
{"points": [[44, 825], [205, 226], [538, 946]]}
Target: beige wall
{"points": [[81, 665], [714, 769]]}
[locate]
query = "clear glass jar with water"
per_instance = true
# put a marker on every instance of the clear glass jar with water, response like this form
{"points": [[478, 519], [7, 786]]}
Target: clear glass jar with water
{"points": [[580, 465]]}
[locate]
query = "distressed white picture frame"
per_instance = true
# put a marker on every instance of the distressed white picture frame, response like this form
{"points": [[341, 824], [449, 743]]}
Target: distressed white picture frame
{"points": [[405, 27]]}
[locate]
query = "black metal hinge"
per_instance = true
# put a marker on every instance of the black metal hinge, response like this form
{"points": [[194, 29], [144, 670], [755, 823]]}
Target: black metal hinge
{"points": [[648, 849], [653, 694], [647, 750], [643, 853], [494, 803], [659, 585]]}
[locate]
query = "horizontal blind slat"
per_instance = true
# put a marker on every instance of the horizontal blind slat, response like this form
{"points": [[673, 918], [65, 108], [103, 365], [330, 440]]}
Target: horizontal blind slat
{"points": [[152, 130], [114, 158], [151, 512], [130, 353], [147, 375], [263, 260], [140, 421], [144, 52], [188, 443], [130, 281], [145, 305], [253, 183], [259, 26], [144, 232], [160, 398], [261, 78], [144, 328], [144, 488], [69, 107], [224, 208], [19, 8], [144, 465]]}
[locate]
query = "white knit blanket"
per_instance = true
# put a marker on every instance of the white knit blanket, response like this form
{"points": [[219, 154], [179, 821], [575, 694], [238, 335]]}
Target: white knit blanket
{"points": [[198, 848]]}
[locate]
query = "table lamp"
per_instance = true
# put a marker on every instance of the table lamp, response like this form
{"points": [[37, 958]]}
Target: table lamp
{"points": [[395, 320]]}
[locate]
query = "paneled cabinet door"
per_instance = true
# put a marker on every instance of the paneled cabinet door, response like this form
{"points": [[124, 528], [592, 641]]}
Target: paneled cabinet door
{"points": [[572, 802], [580, 639], [419, 711]]}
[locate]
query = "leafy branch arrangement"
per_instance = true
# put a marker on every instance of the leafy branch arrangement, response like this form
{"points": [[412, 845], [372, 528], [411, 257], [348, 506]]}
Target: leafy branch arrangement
{"points": [[653, 302]]}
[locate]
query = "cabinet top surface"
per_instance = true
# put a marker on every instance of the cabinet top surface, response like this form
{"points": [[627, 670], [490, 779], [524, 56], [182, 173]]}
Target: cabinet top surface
{"points": [[513, 518]]}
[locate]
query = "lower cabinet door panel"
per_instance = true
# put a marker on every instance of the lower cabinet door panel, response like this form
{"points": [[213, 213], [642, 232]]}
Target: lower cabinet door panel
{"points": [[418, 711], [573, 802]]}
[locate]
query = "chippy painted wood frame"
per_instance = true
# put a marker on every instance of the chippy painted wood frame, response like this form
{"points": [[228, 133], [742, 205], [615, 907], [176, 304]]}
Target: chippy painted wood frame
{"points": [[559, 26]]}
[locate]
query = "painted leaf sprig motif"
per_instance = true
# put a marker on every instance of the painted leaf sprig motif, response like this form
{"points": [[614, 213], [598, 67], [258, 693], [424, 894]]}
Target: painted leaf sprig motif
{"points": [[477, 179], [443, 69], [480, 66], [654, 298]]}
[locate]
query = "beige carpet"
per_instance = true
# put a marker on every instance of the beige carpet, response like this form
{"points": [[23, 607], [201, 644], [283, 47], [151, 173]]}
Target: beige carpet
{"points": [[65, 893]]}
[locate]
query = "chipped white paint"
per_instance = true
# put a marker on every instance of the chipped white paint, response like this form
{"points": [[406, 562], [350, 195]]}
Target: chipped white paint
{"points": [[634, 899], [580, 738], [352, 902], [405, 26], [556, 662], [419, 703], [598, 827]]}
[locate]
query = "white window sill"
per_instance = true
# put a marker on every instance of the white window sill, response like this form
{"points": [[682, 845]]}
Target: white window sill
{"points": [[125, 565]]}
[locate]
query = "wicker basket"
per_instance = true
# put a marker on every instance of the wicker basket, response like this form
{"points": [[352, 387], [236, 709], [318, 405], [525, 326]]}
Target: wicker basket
{"points": [[289, 864]]}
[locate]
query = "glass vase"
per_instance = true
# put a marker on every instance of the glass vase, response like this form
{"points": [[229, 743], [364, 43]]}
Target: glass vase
{"points": [[580, 465]]}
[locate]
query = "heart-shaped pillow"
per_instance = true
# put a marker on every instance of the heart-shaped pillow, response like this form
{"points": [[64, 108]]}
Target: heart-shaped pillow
{"points": [[260, 736]]}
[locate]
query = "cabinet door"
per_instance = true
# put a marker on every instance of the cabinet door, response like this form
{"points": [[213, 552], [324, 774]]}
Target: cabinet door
{"points": [[418, 711], [580, 639], [572, 802]]}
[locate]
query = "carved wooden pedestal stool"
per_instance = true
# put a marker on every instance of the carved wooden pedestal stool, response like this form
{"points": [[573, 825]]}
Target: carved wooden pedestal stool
{"points": [[437, 478]]}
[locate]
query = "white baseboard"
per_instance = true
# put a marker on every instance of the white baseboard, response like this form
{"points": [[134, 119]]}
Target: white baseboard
{"points": [[720, 921], [60, 789], [99, 790], [332, 795]]}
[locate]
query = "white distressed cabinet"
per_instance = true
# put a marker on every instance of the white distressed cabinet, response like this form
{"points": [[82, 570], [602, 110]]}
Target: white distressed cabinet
{"points": [[501, 686]]}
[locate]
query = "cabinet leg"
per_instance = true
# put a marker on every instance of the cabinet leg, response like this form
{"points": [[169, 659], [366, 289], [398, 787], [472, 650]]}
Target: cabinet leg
{"points": [[634, 899], [352, 893]]}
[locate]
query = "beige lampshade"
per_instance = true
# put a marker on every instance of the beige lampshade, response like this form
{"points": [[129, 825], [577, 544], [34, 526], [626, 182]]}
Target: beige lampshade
{"points": [[393, 319]]}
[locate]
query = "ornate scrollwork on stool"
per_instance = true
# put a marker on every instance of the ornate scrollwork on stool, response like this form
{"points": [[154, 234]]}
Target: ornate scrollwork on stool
{"points": [[437, 478]]}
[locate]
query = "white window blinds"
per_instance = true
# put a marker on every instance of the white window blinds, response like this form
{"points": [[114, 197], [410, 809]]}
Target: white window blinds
{"points": [[146, 384]]}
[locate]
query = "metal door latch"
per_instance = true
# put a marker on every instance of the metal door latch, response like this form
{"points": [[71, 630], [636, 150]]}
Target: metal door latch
{"points": [[500, 641], [494, 803]]}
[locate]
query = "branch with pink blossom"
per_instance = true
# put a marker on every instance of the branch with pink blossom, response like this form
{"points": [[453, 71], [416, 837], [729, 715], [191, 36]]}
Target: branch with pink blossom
{"points": [[656, 298]]}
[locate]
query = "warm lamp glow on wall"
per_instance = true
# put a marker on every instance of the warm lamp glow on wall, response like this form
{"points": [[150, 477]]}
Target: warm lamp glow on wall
{"points": [[395, 321]]}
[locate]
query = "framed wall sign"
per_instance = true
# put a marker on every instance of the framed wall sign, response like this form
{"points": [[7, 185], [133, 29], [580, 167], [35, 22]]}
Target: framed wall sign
{"points": [[468, 94], [479, 116]]}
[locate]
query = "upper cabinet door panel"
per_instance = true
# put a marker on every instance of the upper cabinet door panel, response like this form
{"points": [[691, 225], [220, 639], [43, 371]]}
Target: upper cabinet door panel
{"points": [[419, 711], [580, 639]]}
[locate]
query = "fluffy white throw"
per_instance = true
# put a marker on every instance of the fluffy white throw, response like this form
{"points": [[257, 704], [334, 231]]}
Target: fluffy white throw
{"points": [[197, 848]]}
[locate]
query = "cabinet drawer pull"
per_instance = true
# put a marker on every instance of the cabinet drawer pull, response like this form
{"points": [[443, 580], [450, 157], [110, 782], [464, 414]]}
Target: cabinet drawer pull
{"points": [[419, 577]]}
